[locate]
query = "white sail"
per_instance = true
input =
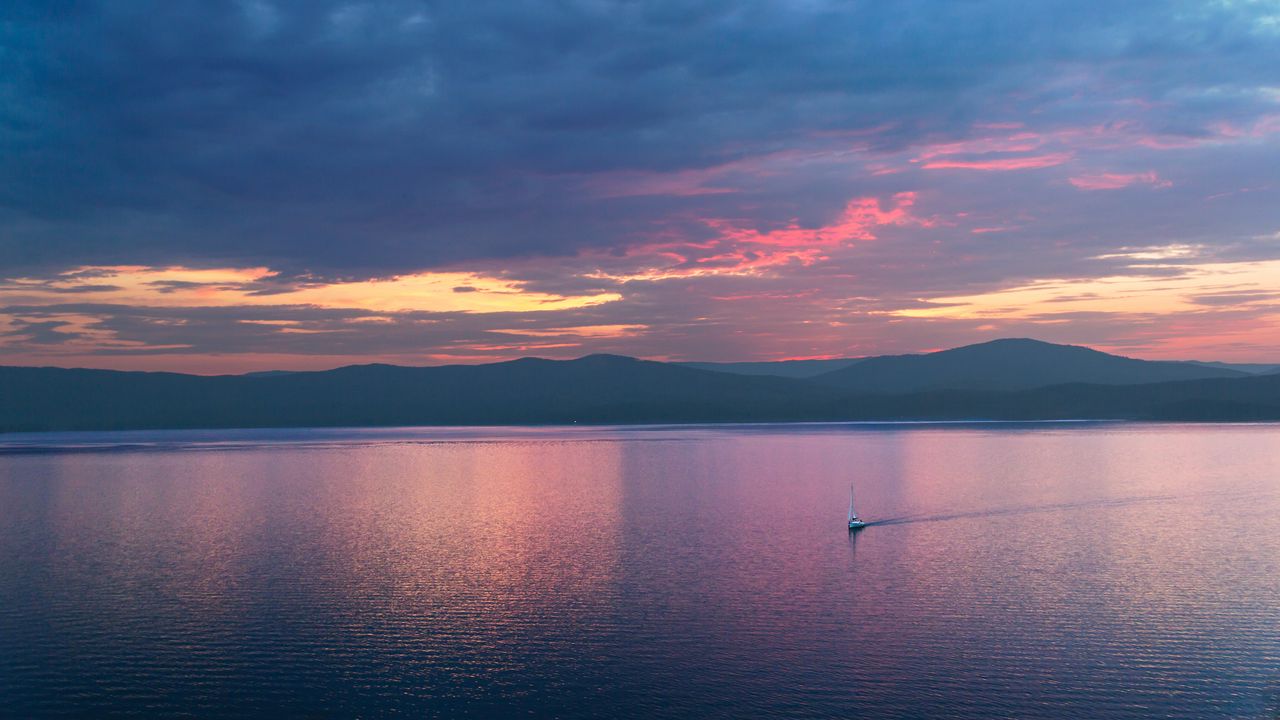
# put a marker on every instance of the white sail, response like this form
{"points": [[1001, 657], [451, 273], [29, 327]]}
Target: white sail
{"points": [[852, 515]]}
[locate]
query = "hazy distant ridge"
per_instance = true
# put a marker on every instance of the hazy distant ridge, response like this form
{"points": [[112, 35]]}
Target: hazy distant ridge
{"points": [[779, 368]]}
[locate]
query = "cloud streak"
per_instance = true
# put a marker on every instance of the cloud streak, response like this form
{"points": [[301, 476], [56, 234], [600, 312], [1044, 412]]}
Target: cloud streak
{"points": [[1118, 181]]}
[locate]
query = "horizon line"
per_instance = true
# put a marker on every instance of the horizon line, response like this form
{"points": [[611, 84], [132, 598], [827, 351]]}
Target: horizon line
{"points": [[667, 361]]}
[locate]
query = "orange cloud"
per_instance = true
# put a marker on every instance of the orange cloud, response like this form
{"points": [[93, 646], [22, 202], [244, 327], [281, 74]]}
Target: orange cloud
{"points": [[221, 287], [1132, 293]]}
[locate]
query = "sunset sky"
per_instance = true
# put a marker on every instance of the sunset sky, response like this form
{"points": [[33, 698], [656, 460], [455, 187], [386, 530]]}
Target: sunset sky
{"points": [[233, 186]]}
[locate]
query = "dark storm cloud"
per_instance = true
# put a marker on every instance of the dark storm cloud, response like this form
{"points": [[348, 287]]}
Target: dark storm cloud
{"points": [[353, 139]]}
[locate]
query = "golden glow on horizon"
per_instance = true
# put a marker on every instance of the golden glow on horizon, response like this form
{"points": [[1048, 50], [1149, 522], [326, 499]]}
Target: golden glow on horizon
{"points": [[84, 340], [1159, 302], [1166, 252], [464, 292], [1118, 294]]}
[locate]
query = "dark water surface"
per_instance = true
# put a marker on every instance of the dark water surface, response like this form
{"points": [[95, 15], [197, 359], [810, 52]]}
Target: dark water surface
{"points": [[1020, 571]]}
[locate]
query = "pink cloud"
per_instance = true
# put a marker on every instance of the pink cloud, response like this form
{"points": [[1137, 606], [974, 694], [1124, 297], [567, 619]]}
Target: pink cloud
{"points": [[1002, 163], [1262, 127], [1017, 142], [860, 217], [1002, 146], [1116, 181], [738, 248]]}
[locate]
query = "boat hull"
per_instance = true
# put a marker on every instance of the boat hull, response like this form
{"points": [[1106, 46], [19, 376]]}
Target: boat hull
{"points": [[857, 525]]}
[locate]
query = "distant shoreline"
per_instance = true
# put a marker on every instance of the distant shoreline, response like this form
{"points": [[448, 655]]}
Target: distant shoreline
{"points": [[20, 442]]}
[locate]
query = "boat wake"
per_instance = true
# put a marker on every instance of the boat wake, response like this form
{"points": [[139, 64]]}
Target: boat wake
{"points": [[1022, 510]]}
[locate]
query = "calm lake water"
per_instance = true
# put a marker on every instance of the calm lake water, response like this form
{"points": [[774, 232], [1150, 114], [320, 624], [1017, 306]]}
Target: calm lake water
{"points": [[1020, 571]]}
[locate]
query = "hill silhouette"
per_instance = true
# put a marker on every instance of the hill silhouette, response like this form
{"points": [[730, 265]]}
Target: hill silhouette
{"points": [[1247, 399], [1010, 364], [597, 388], [615, 389]]}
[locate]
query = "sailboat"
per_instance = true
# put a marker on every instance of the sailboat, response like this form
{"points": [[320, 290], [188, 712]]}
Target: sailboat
{"points": [[855, 523]]}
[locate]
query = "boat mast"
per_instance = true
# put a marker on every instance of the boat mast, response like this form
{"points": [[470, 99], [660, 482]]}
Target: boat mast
{"points": [[852, 515]]}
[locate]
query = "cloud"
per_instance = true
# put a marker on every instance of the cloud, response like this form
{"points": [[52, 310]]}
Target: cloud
{"points": [[315, 136], [1117, 181], [48, 332], [737, 179], [1030, 162]]}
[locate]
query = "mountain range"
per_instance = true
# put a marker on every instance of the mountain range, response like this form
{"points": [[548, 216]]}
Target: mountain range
{"points": [[1014, 379], [1030, 359], [1014, 364]]}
